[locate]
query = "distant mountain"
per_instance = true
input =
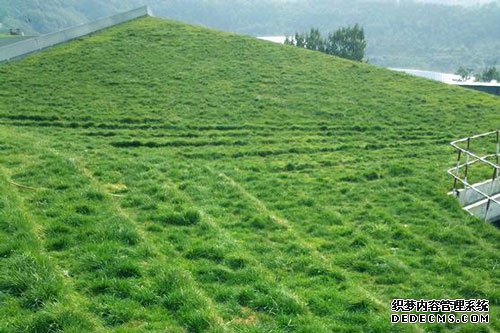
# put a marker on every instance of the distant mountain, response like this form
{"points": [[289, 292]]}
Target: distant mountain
{"points": [[400, 33]]}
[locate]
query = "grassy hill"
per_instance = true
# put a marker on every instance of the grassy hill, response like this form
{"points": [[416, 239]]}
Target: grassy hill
{"points": [[159, 177]]}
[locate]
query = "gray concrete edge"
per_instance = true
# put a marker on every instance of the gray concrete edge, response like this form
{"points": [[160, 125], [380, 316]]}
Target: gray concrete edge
{"points": [[35, 44]]}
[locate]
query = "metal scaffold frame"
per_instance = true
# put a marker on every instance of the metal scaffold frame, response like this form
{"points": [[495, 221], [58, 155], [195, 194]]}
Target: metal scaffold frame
{"points": [[472, 158]]}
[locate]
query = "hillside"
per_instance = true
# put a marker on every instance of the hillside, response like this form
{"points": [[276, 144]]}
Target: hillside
{"points": [[402, 34], [162, 177]]}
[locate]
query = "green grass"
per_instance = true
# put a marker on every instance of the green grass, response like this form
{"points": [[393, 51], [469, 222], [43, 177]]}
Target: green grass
{"points": [[161, 177]]}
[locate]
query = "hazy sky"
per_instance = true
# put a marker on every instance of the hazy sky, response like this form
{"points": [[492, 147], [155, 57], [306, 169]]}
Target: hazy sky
{"points": [[460, 2]]}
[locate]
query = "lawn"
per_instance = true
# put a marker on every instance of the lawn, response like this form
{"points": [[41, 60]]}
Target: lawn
{"points": [[160, 177]]}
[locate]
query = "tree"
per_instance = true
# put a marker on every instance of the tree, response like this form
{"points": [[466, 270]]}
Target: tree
{"points": [[347, 42], [465, 73], [311, 41], [289, 41], [300, 40], [488, 74], [314, 41]]}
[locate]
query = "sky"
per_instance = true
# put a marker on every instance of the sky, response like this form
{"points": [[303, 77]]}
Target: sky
{"points": [[460, 2]]}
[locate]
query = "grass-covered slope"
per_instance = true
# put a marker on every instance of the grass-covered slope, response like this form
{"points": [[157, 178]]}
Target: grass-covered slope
{"points": [[157, 177]]}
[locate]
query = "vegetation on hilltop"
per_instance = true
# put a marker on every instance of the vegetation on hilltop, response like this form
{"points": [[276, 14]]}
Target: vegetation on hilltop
{"points": [[401, 34], [346, 42], [161, 176], [486, 75]]}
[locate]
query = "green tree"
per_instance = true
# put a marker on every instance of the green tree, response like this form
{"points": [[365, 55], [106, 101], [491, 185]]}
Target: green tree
{"points": [[465, 73], [488, 74], [347, 42], [314, 41], [300, 40]]}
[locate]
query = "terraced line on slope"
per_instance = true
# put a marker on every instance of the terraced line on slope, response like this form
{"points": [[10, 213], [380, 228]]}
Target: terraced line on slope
{"points": [[105, 272], [268, 239], [35, 294], [257, 278], [316, 234]]}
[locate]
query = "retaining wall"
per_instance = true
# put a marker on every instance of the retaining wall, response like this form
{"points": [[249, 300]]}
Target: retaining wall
{"points": [[476, 204], [34, 44], [469, 196], [481, 209]]}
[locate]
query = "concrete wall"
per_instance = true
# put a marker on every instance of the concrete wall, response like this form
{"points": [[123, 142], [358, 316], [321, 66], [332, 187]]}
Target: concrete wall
{"points": [[12, 39], [495, 90], [469, 196], [34, 44], [479, 210], [477, 204]]}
